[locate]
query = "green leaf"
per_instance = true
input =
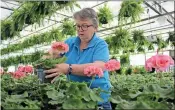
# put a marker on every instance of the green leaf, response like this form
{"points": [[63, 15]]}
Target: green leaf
{"points": [[135, 95], [124, 105], [141, 105], [53, 102], [24, 95], [117, 99], [56, 96], [84, 91], [91, 104], [95, 97], [73, 103]]}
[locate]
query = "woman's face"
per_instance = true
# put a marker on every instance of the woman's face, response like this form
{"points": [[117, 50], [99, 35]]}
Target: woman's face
{"points": [[85, 28]]}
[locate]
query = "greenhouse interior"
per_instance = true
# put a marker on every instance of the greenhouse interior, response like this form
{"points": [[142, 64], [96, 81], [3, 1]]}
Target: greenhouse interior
{"points": [[113, 54]]}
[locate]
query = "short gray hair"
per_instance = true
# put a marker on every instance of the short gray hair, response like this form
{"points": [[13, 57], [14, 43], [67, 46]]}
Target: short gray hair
{"points": [[87, 13]]}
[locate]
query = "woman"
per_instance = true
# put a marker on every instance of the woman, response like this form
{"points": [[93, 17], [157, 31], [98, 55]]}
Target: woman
{"points": [[85, 50]]}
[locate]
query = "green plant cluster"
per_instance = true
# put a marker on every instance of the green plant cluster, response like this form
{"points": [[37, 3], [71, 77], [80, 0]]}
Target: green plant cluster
{"points": [[121, 40], [28, 93], [130, 11], [160, 43], [140, 40], [127, 42], [67, 28], [142, 91], [124, 60], [25, 59], [48, 63], [46, 37], [105, 15], [30, 13], [171, 38]]}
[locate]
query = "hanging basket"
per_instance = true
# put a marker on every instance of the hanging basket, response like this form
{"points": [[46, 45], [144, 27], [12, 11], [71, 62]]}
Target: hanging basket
{"points": [[29, 20], [103, 20], [62, 2]]}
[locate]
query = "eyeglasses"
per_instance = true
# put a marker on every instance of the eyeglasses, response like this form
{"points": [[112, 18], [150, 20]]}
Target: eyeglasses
{"points": [[83, 27]]}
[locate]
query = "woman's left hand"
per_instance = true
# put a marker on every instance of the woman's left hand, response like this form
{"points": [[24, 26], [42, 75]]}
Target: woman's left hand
{"points": [[55, 72]]}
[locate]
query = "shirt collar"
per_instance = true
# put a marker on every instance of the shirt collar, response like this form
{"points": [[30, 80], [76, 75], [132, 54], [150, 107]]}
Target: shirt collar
{"points": [[90, 44]]}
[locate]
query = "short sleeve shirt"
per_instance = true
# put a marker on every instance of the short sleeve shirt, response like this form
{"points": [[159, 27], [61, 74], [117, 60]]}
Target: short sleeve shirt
{"points": [[97, 50]]}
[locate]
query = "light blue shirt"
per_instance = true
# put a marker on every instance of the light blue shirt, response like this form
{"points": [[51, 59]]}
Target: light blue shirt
{"points": [[97, 50]]}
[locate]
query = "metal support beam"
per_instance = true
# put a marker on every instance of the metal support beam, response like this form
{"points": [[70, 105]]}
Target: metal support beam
{"points": [[156, 11], [155, 4], [132, 27], [145, 19], [7, 8], [159, 29], [10, 3], [98, 4], [163, 9]]}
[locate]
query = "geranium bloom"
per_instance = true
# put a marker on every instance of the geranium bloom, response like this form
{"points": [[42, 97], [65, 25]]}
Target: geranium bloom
{"points": [[18, 74], [21, 68], [159, 62], [112, 65], [93, 71], [60, 46], [28, 69]]}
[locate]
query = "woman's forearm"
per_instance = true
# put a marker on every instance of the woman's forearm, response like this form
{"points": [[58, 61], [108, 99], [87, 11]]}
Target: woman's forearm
{"points": [[78, 69]]}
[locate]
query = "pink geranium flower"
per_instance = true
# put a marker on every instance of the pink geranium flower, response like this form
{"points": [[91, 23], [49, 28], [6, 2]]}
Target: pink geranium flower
{"points": [[21, 68], [151, 63], [93, 71], [28, 69], [61, 46], [18, 74], [159, 62], [112, 65]]}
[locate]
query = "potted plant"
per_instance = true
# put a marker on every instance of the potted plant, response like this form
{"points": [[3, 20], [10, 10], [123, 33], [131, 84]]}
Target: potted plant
{"points": [[160, 42], [6, 29], [138, 35], [67, 27], [26, 14], [130, 11], [105, 15], [124, 59], [150, 46], [121, 39], [45, 64], [62, 2], [18, 20], [140, 49], [171, 38], [44, 7]]}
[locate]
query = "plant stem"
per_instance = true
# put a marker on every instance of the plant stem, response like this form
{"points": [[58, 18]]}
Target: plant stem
{"points": [[68, 77], [93, 77], [59, 83]]}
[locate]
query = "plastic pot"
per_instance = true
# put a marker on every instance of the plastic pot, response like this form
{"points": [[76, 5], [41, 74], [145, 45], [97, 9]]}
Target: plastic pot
{"points": [[17, 28], [41, 76], [28, 20], [103, 20], [127, 14]]}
